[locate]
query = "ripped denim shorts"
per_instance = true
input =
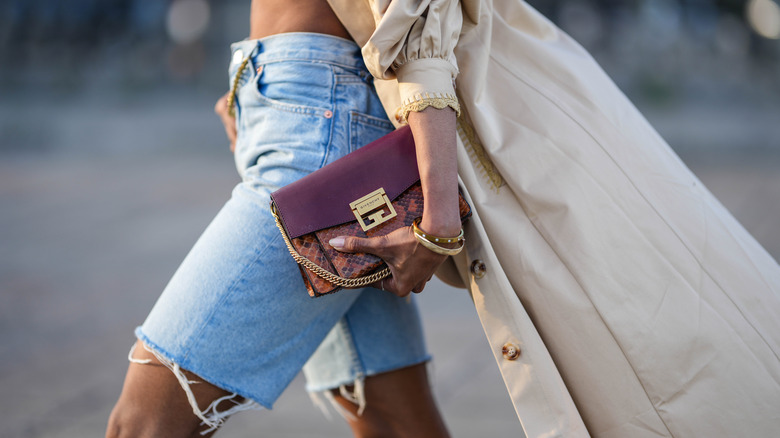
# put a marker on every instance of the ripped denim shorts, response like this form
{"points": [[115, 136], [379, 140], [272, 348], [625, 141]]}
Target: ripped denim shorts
{"points": [[236, 312]]}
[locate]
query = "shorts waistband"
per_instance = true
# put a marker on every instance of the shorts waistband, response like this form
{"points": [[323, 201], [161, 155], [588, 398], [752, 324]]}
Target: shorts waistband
{"points": [[300, 46]]}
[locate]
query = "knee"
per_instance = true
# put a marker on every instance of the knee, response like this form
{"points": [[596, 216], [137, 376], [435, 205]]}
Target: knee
{"points": [[124, 423], [120, 425], [115, 427]]}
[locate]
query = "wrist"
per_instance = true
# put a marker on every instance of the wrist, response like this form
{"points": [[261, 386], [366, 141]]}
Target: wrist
{"points": [[441, 212], [441, 225]]}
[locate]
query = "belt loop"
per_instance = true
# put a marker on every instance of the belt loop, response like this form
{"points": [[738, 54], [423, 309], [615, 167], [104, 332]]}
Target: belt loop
{"points": [[256, 52], [258, 49], [253, 53]]}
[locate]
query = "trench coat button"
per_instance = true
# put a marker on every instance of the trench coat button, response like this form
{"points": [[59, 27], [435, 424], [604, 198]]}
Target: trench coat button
{"points": [[478, 268], [510, 351]]}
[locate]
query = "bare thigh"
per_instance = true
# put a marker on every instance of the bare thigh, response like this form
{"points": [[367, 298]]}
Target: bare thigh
{"points": [[153, 403]]}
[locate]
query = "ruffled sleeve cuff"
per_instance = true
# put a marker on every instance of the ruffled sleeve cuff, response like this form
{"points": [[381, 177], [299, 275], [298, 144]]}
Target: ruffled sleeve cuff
{"points": [[426, 82]]}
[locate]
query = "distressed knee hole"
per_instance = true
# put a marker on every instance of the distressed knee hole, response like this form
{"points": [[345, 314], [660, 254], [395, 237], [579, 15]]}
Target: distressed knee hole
{"points": [[213, 416]]}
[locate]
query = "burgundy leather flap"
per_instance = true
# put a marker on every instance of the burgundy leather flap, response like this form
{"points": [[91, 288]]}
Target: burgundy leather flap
{"points": [[321, 199]]}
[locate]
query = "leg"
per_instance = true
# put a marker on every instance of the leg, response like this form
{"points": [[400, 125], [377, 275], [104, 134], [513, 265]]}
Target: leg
{"points": [[153, 404], [375, 359], [399, 404], [236, 315]]}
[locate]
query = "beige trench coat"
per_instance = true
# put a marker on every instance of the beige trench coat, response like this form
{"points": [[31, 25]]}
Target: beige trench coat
{"points": [[640, 307]]}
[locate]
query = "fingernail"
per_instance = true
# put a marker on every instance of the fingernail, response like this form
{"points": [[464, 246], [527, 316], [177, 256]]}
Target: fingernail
{"points": [[337, 242]]}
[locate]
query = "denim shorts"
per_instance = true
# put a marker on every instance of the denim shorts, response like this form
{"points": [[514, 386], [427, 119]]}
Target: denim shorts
{"points": [[236, 312]]}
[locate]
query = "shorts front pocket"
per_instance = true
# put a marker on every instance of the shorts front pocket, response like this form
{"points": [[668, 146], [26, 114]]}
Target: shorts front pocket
{"points": [[304, 87]]}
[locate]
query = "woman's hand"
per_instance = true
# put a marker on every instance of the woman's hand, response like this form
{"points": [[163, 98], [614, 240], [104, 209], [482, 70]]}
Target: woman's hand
{"points": [[229, 121], [411, 264]]}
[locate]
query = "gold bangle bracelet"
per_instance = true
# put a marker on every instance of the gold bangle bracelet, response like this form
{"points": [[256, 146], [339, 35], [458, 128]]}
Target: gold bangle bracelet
{"points": [[440, 249], [435, 239]]}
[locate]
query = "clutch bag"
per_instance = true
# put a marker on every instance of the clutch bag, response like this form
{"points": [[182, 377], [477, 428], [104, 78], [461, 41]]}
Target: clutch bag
{"points": [[367, 193]]}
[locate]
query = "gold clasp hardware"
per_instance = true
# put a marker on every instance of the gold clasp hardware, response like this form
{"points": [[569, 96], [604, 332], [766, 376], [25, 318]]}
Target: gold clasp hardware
{"points": [[372, 208]]}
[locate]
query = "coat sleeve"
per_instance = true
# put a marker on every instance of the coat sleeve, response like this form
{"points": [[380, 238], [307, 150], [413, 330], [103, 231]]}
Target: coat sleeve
{"points": [[414, 42]]}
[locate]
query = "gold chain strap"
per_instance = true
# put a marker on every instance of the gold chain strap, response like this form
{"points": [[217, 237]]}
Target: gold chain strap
{"points": [[327, 275]]}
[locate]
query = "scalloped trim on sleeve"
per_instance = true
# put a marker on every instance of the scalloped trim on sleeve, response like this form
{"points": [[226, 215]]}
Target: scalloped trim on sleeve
{"points": [[420, 101]]}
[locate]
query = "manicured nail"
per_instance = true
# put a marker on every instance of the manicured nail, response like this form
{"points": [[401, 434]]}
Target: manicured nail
{"points": [[337, 242]]}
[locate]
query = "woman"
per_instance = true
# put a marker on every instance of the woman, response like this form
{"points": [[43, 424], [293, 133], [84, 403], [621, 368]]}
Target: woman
{"points": [[619, 297], [235, 317]]}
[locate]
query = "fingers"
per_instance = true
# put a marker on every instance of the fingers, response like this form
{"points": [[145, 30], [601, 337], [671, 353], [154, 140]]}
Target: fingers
{"points": [[221, 105], [351, 244], [228, 121], [389, 284]]}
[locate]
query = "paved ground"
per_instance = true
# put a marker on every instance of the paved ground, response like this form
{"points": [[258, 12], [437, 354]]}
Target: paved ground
{"points": [[90, 233]]}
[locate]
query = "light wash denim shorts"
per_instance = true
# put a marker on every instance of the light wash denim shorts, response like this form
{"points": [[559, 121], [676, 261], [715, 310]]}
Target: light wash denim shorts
{"points": [[236, 312]]}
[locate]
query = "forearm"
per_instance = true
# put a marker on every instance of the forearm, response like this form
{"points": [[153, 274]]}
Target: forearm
{"points": [[434, 133]]}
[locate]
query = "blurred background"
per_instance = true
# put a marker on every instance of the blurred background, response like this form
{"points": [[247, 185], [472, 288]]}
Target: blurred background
{"points": [[112, 163]]}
